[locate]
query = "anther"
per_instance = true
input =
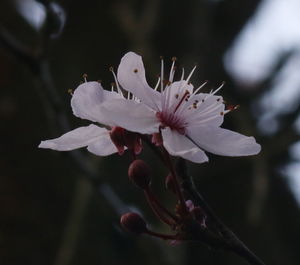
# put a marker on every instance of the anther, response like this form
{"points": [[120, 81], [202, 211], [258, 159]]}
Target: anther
{"points": [[232, 107], [174, 58], [111, 69], [84, 76], [70, 91]]}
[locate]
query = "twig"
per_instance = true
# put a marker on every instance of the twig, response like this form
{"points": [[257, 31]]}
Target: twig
{"points": [[222, 236]]}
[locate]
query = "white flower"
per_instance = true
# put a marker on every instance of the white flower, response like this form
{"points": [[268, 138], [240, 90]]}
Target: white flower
{"points": [[189, 122], [86, 103]]}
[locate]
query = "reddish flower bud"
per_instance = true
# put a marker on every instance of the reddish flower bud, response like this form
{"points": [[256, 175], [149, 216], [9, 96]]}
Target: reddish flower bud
{"points": [[116, 135], [157, 139], [138, 173], [121, 138], [134, 223], [133, 141]]}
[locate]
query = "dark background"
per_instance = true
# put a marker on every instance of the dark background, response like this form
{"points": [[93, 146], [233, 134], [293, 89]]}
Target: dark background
{"points": [[64, 208]]}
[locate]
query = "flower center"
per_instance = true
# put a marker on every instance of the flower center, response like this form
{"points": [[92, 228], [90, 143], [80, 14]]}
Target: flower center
{"points": [[172, 121]]}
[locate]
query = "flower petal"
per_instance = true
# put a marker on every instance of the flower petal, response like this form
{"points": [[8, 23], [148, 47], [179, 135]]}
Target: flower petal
{"points": [[87, 99], [131, 115], [178, 145], [223, 142], [131, 76], [205, 109], [103, 146], [80, 137], [173, 94]]}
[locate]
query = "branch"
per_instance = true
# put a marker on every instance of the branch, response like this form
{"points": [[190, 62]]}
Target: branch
{"points": [[218, 235]]}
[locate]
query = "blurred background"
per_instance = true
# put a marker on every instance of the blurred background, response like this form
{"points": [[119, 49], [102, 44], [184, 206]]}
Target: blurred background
{"points": [[63, 208]]}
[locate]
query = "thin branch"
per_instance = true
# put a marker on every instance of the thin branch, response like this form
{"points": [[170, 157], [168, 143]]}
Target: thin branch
{"points": [[221, 235]]}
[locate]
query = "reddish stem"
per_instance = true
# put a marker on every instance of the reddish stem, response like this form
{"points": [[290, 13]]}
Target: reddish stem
{"points": [[161, 216], [162, 236], [159, 205], [176, 184]]}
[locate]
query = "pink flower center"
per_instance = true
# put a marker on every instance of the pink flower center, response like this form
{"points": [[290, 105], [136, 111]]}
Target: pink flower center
{"points": [[172, 121]]}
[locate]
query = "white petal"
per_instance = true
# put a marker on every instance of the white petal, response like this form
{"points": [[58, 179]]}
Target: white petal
{"points": [[87, 99], [103, 146], [131, 115], [178, 145], [80, 137], [131, 76], [223, 142], [173, 94], [208, 110]]}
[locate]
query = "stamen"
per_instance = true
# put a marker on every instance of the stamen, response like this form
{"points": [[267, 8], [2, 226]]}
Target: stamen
{"points": [[232, 107], [162, 74], [85, 77], [181, 100], [223, 83], [190, 75], [172, 71], [112, 87], [157, 84], [116, 80], [197, 90], [70, 91], [182, 75]]}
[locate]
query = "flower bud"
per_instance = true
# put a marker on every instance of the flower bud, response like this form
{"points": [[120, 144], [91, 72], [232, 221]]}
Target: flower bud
{"points": [[133, 141], [138, 173], [123, 138], [116, 136], [157, 139], [133, 223]]}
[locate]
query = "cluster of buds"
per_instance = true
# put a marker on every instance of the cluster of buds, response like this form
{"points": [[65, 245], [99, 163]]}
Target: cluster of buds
{"points": [[184, 211]]}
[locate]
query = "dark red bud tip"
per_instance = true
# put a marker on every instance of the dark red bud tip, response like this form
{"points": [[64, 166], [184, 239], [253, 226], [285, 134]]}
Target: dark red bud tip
{"points": [[116, 136], [133, 223], [138, 173]]}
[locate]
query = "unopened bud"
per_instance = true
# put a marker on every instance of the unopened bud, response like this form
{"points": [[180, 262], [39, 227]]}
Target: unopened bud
{"points": [[138, 173], [123, 138], [117, 137], [157, 139], [133, 141], [133, 223]]}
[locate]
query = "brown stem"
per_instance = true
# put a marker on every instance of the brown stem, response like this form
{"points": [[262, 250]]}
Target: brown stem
{"points": [[230, 240], [176, 183], [162, 236], [159, 205], [160, 215]]}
